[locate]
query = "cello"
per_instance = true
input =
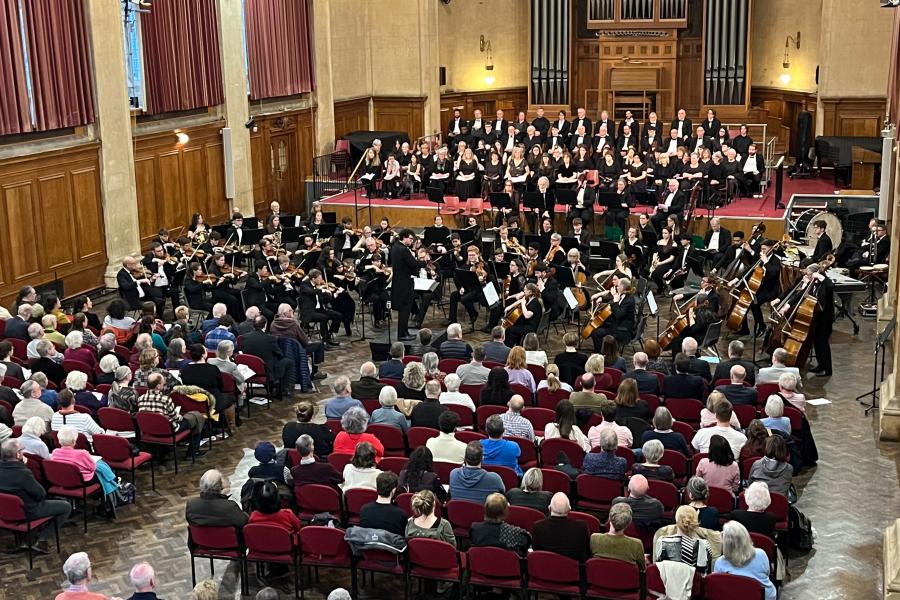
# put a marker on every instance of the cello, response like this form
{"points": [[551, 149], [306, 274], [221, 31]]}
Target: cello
{"points": [[791, 331], [679, 322], [598, 318], [747, 294]]}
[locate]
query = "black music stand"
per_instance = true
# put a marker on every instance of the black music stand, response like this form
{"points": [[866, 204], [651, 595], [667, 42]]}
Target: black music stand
{"points": [[608, 251], [436, 195], [568, 242], [499, 201], [251, 237], [880, 342], [534, 201], [500, 270], [466, 236], [361, 286], [543, 242], [432, 236], [465, 279]]}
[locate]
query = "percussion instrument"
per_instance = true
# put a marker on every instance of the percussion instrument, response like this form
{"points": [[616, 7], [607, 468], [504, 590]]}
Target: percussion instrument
{"points": [[802, 226]]}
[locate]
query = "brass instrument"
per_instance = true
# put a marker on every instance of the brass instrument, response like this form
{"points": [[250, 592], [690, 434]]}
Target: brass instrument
{"points": [[514, 246], [201, 237]]}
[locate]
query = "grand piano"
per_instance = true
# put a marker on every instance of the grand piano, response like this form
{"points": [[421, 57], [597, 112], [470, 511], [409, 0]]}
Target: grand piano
{"points": [[837, 151]]}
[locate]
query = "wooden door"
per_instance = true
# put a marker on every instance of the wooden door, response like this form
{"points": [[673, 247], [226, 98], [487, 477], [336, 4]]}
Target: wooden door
{"points": [[283, 163]]}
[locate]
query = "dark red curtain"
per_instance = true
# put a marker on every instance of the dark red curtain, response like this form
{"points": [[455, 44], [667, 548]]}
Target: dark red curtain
{"points": [[182, 68], [58, 52], [14, 117], [279, 48]]}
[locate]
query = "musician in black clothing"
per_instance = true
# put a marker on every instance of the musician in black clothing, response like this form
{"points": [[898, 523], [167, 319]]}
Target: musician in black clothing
{"points": [[403, 265], [682, 125], [260, 290], [672, 203], [135, 286], [769, 288], [617, 212], [716, 241], [741, 142], [824, 247], [314, 301], [877, 248], [548, 286], [470, 298], [584, 201], [686, 261], [712, 124], [532, 310], [164, 267], [621, 323], [647, 231], [751, 169], [373, 274], [201, 291], [822, 288], [582, 236]]}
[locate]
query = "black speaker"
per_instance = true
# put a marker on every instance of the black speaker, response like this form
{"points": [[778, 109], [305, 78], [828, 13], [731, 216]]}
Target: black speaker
{"points": [[438, 338], [442, 75], [779, 185]]}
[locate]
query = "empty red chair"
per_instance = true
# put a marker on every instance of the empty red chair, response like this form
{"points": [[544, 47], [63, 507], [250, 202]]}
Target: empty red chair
{"points": [[509, 476], [443, 469], [314, 498], [494, 567], [324, 547], [449, 365], [391, 437], [20, 348], [466, 436], [553, 573], [355, 499], [678, 462], [393, 463], [550, 448], [596, 493], [685, 409], [539, 417], [745, 413], [217, 543], [418, 436], [116, 451], [524, 517], [450, 206], [474, 391], [155, 428], [66, 481], [556, 481], [271, 544], [548, 399], [434, 560], [466, 416], [609, 578], [376, 561], [462, 513], [259, 379], [12, 518], [615, 375], [12, 382], [724, 586], [339, 461], [389, 381], [523, 391], [593, 523], [796, 416], [622, 452], [666, 493], [71, 364], [474, 206], [486, 411], [528, 453], [721, 499]]}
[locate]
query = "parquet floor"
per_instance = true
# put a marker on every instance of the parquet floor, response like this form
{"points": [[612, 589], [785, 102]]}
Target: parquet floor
{"points": [[850, 497]]}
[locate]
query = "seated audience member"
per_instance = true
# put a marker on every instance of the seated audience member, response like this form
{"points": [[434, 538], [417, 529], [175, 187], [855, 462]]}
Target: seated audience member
{"points": [[388, 413], [698, 366], [708, 412], [208, 589], [570, 361], [735, 357], [427, 412], [756, 518], [587, 398], [445, 447], [268, 510], [222, 332], [773, 468], [775, 418], [79, 575], [735, 438], [517, 369], [736, 392], [17, 479], [531, 494], [787, 387], [430, 362], [418, 474], [143, 579], [496, 350], [615, 544], [393, 368], [412, 385], [596, 366], [319, 432], [684, 545], [425, 523], [201, 374], [560, 534], [623, 434], [76, 350], [720, 469], [654, 362], [13, 369], [343, 400], [267, 467], [382, 513], [454, 346], [214, 508], [176, 357], [683, 383], [48, 396], [453, 395], [605, 463], [280, 370], [149, 361], [354, 423], [361, 471], [497, 391], [89, 468], [31, 405], [651, 469], [157, 401], [662, 431], [222, 360], [533, 354], [77, 382], [470, 481], [48, 322], [647, 382], [739, 557], [67, 415], [367, 387], [564, 426], [696, 494], [757, 436], [629, 404], [17, 327], [552, 382], [31, 441], [610, 350], [645, 509], [108, 364], [310, 470], [474, 372], [47, 364], [422, 344], [494, 531], [773, 374], [514, 424], [218, 311], [497, 450]]}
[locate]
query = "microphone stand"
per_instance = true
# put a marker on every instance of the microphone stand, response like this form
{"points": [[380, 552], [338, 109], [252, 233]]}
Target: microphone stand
{"points": [[880, 343]]}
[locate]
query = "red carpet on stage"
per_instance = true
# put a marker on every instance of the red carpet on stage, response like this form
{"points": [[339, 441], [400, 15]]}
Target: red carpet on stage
{"points": [[741, 207]]}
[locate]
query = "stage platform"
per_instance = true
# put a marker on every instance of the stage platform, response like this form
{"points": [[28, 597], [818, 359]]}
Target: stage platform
{"points": [[418, 212]]}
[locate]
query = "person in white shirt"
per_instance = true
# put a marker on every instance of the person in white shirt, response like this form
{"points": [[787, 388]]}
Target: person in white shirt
{"points": [[773, 374], [623, 434], [31, 405], [735, 438], [453, 395], [474, 372], [445, 447], [533, 354], [563, 426]]}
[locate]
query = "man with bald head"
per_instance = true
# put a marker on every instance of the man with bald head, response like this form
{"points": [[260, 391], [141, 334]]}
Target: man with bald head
{"points": [[736, 391], [646, 381], [558, 533], [135, 286], [143, 578], [514, 424], [646, 511]]}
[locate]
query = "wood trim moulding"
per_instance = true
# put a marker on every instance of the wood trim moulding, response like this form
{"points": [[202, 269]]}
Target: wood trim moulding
{"points": [[854, 116]]}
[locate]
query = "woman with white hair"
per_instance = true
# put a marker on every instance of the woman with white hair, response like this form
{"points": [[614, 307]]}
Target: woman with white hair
{"points": [[775, 418], [653, 451], [76, 350], [757, 518], [412, 386], [453, 395], [107, 346], [108, 366], [739, 557], [121, 394], [787, 387], [87, 466], [531, 493], [31, 441], [31, 405], [430, 362], [388, 414], [77, 382], [354, 422]]}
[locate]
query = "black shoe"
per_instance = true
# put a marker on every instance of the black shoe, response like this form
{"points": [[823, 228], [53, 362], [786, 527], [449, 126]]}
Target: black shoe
{"points": [[332, 343], [319, 375], [817, 369], [406, 338], [446, 322]]}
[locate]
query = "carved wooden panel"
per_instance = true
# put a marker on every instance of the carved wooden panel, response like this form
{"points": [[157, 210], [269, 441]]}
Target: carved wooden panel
{"points": [[861, 117], [56, 221], [400, 114], [510, 100], [350, 115]]}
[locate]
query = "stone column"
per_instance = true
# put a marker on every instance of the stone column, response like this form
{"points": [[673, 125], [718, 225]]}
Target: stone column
{"points": [[324, 88], [117, 183], [891, 560], [236, 108], [889, 402], [429, 58]]}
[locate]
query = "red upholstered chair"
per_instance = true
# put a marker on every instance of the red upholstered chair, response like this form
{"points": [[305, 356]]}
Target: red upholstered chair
{"points": [[490, 364], [389, 381], [596, 493], [339, 461], [685, 430], [494, 567], [746, 465], [522, 390], [394, 464], [509, 476], [746, 413], [615, 375], [538, 372], [609, 578], [763, 391], [666, 493], [550, 448], [528, 456], [259, 380], [324, 547], [391, 437], [450, 206], [462, 513], [695, 460], [355, 499], [443, 469], [593, 523], [155, 428], [466, 416], [549, 400], [486, 411], [539, 417], [217, 543], [410, 358], [796, 416], [314, 498], [767, 545], [370, 404], [686, 410], [334, 425], [474, 207], [622, 452], [556, 481], [661, 378], [116, 451], [721, 499], [12, 382], [655, 584], [20, 348], [467, 436], [418, 436], [376, 561], [473, 390], [271, 544], [449, 365], [779, 507], [12, 518], [524, 517], [652, 401], [724, 586], [678, 462], [35, 464], [553, 573], [71, 364], [433, 560], [66, 481]]}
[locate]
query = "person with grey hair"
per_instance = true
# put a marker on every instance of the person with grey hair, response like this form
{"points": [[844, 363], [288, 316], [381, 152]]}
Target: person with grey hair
{"points": [[647, 382], [108, 365], [653, 451], [31, 405], [354, 422], [143, 578], [77, 570], [778, 368], [531, 493], [367, 387], [310, 470], [214, 508], [77, 382], [454, 346], [17, 479], [412, 385], [343, 400], [615, 544], [17, 327], [339, 594], [393, 368], [388, 413], [787, 388], [428, 412], [49, 362], [739, 557], [76, 350], [756, 517], [560, 534], [267, 593], [605, 463], [121, 395], [48, 396], [697, 367], [35, 334], [735, 357], [89, 468], [430, 361], [662, 431], [453, 395], [697, 493], [775, 418], [222, 360], [175, 355]]}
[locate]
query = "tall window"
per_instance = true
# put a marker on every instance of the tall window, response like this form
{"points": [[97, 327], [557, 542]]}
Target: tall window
{"points": [[134, 60]]}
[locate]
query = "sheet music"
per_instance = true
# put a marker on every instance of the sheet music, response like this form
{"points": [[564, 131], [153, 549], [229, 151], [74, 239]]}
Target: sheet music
{"points": [[651, 303], [570, 298], [490, 294], [518, 178], [246, 372], [423, 284]]}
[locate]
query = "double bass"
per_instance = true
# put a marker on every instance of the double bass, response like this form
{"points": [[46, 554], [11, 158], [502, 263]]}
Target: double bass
{"points": [[747, 294]]}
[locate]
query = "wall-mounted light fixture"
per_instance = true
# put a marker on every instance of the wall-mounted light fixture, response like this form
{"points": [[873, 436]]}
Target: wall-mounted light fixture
{"points": [[181, 137], [484, 45], [788, 42]]}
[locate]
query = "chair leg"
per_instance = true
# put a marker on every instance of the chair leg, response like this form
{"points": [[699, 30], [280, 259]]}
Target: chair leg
{"points": [[175, 455], [152, 473], [56, 533], [193, 572], [28, 547], [85, 503]]}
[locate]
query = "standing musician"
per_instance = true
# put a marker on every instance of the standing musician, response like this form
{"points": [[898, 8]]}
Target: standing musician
{"points": [[617, 214], [769, 289], [822, 288], [532, 309], [159, 263], [424, 299], [877, 248], [824, 246], [345, 238], [404, 266], [584, 201], [314, 301], [469, 298], [716, 241], [621, 323], [136, 286], [340, 284], [672, 203]]}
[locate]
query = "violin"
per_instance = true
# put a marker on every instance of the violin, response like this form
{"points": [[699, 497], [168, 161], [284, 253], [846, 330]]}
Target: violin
{"points": [[231, 272], [207, 278]]}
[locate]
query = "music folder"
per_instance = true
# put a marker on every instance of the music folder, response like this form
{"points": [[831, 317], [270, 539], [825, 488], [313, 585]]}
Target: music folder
{"points": [[465, 279], [501, 270], [290, 235], [533, 200], [434, 235], [466, 236], [500, 200], [326, 230], [609, 199], [568, 242], [543, 241], [423, 284], [251, 237], [566, 196]]}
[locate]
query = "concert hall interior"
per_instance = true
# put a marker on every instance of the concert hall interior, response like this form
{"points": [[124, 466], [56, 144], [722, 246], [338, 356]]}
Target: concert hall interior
{"points": [[293, 291]]}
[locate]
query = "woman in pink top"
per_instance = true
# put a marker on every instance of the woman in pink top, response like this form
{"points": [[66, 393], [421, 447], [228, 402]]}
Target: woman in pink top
{"points": [[517, 367], [87, 466], [708, 414], [720, 469]]}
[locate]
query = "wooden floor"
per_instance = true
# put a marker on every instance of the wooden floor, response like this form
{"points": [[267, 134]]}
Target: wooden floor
{"points": [[850, 497]]}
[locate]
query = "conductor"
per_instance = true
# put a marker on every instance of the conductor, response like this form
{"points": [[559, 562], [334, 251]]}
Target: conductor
{"points": [[404, 266]]}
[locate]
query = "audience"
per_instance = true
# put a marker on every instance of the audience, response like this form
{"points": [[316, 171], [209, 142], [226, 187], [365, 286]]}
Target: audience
{"points": [[533, 354], [343, 400], [608, 412], [514, 424], [646, 510], [720, 469], [654, 362], [570, 362], [787, 387], [418, 474], [698, 367], [497, 391], [517, 369], [685, 545], [531, 494], [321, 433], [739, 557], [388, 414], [773, 468], [91, 470], [647, 383], [496, 350], [736, 392], [499, 451], [31, 405], [775, 418], [393, 368], [310, 470], [77, 570], [605, 463], [756, 518], [596, 366], [587, 398], [629, 404], [494, 531], [662, 431], [16, 479], [757, 436], [454, 346], [31, 441], [564, 426], [361, 471], [735, 438], [425, 523], [708, 413], [696, 493], [382, 513], [427, 412], [683, 383], [268, 510], [773, 374], [735, 357], [214, 508], [354, 423], [367, 387], [430, 362], [560, 534], [470, 481], [615, 544], [445, 447], [474, 372], [412, 386], [423, 343], [157, 401], [653, 451], [143, 579], [67, 415]]}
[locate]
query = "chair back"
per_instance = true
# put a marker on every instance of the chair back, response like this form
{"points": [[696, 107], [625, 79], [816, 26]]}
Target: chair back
{"points": [[443, 469], [111, 447], [334, 425], [527, 452], [63, 474], [267, 542], [597, 492], [523, 391], [678, 462], [339, 461], [539, 417], [549, 400], [744, 413], [153, 424], [12, 382], [554, 573], [796, 416], [315, 498], [593, 523], [324, 546], [652, 401], [725, 586], [486, 411], [666, 493], [35, 464], [20, 347], [556, 481], [115, 419], [214, 539], [462, 513], [410, 358], [686, 431], [539, 372], [466, 436], [696, 458], [615, 375], [611, 578], [473, 390], [466, 416], [494, 567], [434, 559], [355, 499], [550, 448], [685, 409], [763, 391], [524, 517], [394, 464], [12, 509], [73, 364], [391, 437], [509, 476], [449, 365], [418, 436]]}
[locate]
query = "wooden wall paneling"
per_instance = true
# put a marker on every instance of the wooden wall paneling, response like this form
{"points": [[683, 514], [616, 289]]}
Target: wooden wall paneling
{"points": [[585, 78], [175, 211], [859, 117], [56, 221], [306, 147], [510, 100], [400, 114], [148, 209], [690, 78], [782, 107], [262, 168], [88, 203], [217, 209], [23, 251], [350, 115]]}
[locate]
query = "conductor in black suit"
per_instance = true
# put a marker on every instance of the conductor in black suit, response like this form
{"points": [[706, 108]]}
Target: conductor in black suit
{"points": [[404, 266], [135, 286]]}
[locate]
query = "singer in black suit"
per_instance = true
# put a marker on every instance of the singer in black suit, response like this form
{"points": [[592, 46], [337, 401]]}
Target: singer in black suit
{"points": [[750, 177], [455, 125], [404, 266], [672, 202], [561, 124], [582, 120], [685, 124]]}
